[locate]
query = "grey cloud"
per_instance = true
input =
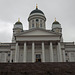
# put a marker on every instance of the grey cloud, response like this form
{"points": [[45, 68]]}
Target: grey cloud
{"points": [[63, 10]]}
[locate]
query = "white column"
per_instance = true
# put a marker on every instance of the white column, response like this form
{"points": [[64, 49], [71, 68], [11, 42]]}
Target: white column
{"points": [[69, 53], [33, 54], [24, 54], [43, 52], [59, 53], [51, 52], [16, 53], [5, 54], [64, 56], [11, 56]]}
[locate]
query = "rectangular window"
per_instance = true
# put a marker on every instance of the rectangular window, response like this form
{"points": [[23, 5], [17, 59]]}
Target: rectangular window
{"points": [[40, 25], [32, 25]]}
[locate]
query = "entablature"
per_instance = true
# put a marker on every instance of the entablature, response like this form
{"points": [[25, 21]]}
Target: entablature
{"points": [[38, 38]]}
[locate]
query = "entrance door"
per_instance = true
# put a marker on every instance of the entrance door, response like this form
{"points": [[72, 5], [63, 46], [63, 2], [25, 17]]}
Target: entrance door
{"points": [[38, 57]]}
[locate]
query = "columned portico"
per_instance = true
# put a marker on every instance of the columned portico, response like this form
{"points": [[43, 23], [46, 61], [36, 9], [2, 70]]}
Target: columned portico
{"points": [[43, 52], [59, 53], [33, 52], [16, 53], [51, 52], [24, 53]]}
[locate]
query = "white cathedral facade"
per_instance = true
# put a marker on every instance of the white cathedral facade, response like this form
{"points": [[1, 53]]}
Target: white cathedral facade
{"points": [[37, 44]]}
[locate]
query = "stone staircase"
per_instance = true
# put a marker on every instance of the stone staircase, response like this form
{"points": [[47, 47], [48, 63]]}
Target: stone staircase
{"points": [[54, 68]]}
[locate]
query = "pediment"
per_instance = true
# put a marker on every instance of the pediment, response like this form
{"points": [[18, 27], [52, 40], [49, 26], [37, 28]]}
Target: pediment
{"points": [[36, 32]]}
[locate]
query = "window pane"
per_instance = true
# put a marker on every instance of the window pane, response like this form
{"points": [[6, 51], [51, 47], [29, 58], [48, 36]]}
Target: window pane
{"points": [[40, 20], [32, 25], [8, 54], [32, 21], [40, 25], [37, 20]]}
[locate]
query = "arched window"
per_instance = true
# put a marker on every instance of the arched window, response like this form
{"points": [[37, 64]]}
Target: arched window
{"points": [[32, 21]]}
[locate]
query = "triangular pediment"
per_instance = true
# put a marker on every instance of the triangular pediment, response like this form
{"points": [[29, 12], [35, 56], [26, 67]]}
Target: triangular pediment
{"points": [[37, 32]]}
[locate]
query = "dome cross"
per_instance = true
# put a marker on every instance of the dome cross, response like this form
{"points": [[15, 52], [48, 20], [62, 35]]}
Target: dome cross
{"points": [[36, 6]]}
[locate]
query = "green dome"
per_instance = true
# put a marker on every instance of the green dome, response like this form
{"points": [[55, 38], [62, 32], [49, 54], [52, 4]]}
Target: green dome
{"points": [[36, 11], [56, 22], [18, 23]]}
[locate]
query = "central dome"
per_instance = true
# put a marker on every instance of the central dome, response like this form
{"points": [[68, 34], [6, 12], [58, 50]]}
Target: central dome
{"points": [[36, 19], [36, 11]]}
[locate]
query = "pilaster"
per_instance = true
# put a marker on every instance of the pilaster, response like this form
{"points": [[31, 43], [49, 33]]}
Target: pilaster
{"points": [[5, 55], [64, 56], [11, 56], [69, 56]]}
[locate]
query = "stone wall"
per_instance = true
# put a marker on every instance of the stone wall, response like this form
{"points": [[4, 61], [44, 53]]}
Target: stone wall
{"points": [[37, 68]]}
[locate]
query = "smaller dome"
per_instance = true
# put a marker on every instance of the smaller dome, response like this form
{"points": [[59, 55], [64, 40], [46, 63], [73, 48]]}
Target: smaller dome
{"points": [[56, 22], [18, 23]]}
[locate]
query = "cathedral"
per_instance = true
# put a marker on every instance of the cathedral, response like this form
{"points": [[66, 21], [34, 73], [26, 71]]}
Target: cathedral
{"points": [[37, 44]]}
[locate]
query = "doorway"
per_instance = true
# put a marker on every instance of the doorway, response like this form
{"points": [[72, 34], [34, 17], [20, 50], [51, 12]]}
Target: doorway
{"points": [[38, 57]]}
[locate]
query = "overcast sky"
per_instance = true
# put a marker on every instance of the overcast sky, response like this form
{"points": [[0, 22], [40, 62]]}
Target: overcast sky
{"points": [[11, 10]]}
